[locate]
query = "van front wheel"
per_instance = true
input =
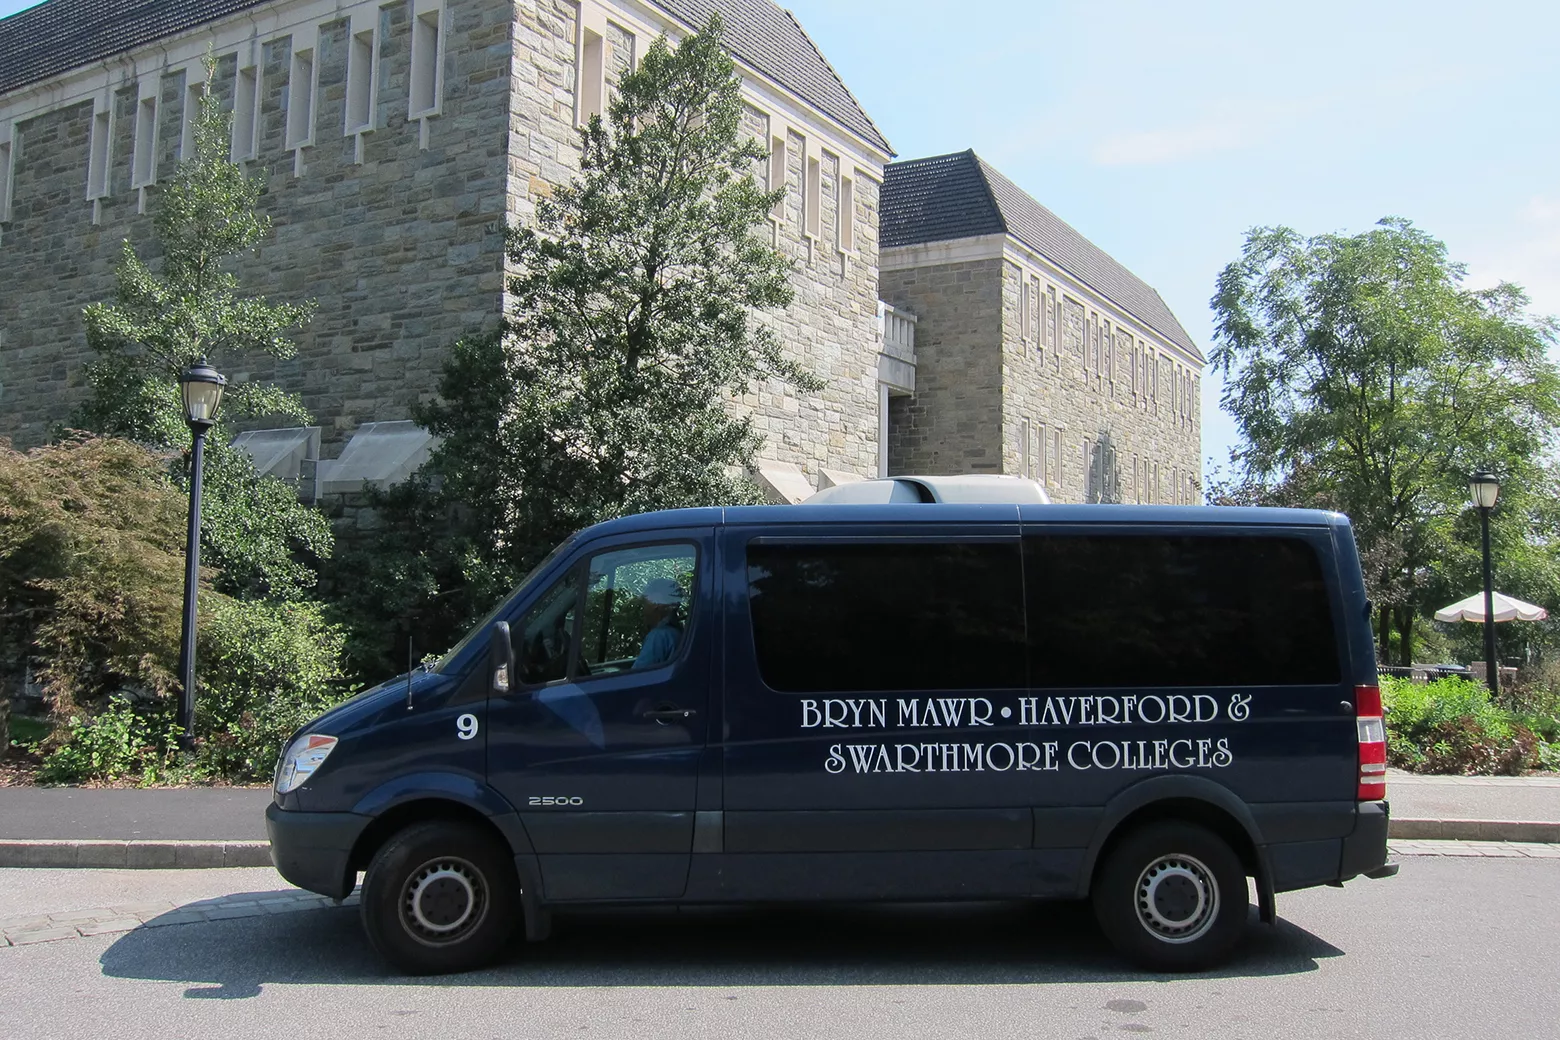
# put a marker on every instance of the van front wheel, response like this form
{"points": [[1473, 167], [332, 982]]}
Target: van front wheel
{"points": [[440, 897], [1172, 897]]}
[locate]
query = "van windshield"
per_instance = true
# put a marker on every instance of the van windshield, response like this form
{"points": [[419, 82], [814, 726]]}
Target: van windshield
{"points": [[481, 627]]}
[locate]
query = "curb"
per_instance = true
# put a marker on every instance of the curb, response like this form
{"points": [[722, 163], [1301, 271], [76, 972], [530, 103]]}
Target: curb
{"points": [[163, 855], [148, 855], [1475, 830]]}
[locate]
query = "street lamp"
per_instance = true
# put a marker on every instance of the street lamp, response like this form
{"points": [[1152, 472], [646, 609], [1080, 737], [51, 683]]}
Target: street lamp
{"points": [[202, 390], [1484, 488]]}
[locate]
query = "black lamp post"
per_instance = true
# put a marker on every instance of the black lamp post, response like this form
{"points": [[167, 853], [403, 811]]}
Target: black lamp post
{"points": [[202, 388], [1485, 489]]}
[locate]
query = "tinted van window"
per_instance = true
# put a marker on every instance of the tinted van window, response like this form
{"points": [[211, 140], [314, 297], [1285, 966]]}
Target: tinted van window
{"points": [[887, 616], [1177, 611]]}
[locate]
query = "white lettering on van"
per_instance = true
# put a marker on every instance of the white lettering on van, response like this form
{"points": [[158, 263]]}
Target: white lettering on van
{"points": [[841, 713]]}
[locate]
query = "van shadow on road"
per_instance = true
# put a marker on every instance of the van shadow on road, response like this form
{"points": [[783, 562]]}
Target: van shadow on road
{"points": [[932, 945]]}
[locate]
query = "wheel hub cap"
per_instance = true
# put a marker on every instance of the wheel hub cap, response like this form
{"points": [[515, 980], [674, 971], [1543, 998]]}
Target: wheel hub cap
{"points": [[443, 901], [1177, 899]]}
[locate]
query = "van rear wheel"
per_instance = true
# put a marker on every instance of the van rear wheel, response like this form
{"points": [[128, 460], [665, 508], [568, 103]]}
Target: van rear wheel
{"points": [[1172, 897], [440, 897]]}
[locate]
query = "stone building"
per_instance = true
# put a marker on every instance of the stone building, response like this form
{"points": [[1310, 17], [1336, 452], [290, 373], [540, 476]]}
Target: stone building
{"points": [[1036, 353], [395, 139]]}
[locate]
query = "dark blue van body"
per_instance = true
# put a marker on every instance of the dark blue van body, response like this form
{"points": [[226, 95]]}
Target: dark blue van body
{"points": [[895, 702]]}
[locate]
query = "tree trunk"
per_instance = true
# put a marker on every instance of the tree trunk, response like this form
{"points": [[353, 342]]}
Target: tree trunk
{"points": [[1405, 622], [1385, 627]]}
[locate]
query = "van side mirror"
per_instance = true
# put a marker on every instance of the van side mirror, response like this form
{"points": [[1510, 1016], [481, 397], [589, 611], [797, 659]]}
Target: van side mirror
{"points": [[501, 659]]}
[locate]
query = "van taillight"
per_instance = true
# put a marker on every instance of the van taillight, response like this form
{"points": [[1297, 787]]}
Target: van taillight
{"points": [[1373, 744]]}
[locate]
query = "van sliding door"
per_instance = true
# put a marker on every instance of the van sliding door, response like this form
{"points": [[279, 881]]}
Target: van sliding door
{"points": [[870, 678]]}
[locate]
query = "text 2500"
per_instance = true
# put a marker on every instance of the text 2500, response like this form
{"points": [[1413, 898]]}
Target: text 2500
{"points": [[547, 799]]}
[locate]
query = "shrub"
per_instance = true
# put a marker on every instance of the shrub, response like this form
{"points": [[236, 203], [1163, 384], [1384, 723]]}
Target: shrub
{"points": [[91, 568], [125, 740], [91, 591], [265, 670], [1450, 726]]}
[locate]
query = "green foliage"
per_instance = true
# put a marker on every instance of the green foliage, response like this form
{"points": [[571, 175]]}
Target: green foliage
{"points": [[254, 530], [1364, 377], [635, 320], [91, 569], [265, 670], [91, 590], [118, 743], [1450, 726]]}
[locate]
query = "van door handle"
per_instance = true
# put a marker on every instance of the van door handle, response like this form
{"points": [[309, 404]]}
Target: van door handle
{"points": [[668, 713]]}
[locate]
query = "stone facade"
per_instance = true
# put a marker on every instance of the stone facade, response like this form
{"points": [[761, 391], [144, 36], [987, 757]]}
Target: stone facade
{"points": [[1079, 394], [395, 231]]}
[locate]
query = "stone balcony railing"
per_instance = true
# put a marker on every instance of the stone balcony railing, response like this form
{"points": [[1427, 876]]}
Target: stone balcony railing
{"points": [[896, 348]]}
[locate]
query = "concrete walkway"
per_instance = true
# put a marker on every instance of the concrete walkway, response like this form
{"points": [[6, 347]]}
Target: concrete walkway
{"points": [[1474, 797]]}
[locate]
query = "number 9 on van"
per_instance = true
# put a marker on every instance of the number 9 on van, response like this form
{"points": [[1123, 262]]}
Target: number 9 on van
{"points": [[302, 758]]}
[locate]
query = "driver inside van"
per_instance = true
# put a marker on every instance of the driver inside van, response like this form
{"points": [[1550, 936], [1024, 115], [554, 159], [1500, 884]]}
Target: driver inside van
{"points": [[662, 597]]}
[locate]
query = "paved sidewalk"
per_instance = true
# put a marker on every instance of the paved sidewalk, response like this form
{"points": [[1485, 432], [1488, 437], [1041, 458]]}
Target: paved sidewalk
{"points": [[107, 920], [155, 814], [1535, 798]]}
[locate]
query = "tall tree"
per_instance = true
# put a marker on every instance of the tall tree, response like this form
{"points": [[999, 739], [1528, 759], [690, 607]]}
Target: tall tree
{"points": [[186, 306], [636, 295], [1364, 376]]}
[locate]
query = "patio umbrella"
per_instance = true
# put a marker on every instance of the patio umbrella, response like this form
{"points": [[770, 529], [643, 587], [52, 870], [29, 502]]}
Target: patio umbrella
{"points": [[1507, 608]]}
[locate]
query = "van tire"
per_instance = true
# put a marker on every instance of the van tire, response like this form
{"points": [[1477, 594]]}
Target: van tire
{"points": [[440, 897], [1171, 896]]}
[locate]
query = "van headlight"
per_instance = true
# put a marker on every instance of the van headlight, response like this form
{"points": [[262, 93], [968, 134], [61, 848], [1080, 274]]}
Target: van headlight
{"points": [[302, 757]]}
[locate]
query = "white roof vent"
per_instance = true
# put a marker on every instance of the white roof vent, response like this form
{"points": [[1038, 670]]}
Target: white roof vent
{"points": [[969, 489]]}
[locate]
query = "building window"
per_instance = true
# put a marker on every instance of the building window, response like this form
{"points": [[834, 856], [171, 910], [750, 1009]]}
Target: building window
{"points": [[360, 83], [1023, 307], [1023, 449], [845, 227], [777, 154], [246, 91], [5, 181], [1053, 458], [1042, 445], [143, 164], [813, 199], [425, 64], [193, 92], [593, 75], [300, 100], [98, 157]]}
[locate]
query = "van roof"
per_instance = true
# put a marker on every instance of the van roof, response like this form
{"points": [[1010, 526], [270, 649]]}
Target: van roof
{"points": [[920, 512]]}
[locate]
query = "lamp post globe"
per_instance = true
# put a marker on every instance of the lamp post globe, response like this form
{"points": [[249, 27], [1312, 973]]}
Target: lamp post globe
{"points": [[1484, 489], [201, 388]]}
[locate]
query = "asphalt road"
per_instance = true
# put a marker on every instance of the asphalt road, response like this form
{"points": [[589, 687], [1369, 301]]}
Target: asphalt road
{"points": [[1455, 947]]}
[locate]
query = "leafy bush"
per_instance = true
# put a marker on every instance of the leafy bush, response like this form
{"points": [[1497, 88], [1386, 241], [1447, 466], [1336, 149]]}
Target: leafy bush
{"points": [[123, 741], [91, 591], [1450, 726], [265, 670], [91, 569]]}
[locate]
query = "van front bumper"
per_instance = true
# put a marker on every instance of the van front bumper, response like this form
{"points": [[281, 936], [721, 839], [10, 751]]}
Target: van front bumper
{"points": [[313, 850]]}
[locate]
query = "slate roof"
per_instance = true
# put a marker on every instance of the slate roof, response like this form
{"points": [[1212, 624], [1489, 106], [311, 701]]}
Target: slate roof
{"points": [[59, 35], [955, 196], [771, 40]]}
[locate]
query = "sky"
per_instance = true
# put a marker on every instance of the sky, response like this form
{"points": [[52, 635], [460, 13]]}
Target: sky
{"points": [[1164, 131]]}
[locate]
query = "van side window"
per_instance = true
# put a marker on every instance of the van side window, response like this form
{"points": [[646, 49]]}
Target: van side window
{"points": [[1147, 610], [859, 617], [636, 608], [543, 637]]}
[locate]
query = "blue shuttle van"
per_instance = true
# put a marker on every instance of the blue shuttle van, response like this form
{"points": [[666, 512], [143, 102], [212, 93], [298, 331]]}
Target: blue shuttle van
{"points": [[1137, 705]]}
